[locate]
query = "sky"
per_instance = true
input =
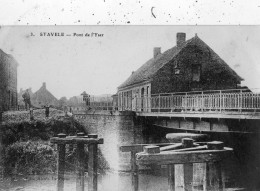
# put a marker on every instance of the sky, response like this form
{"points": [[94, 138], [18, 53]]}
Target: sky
{"points": [[98, 65]]}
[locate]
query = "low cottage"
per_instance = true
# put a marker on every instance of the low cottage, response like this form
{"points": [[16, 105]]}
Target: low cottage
{"points": [[191, 65]]}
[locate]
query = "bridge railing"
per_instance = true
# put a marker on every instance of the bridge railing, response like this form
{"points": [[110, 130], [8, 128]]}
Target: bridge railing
{"points": [[101, 103], [200, 101]]}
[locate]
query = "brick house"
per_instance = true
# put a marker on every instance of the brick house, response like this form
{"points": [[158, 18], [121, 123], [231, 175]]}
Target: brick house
{"points": [[8, 82], [191, 65]]}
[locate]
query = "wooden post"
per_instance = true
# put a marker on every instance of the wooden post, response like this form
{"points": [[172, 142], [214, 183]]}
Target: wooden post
{"points": [[80, 165], [31, 114], [171, 177], [188, 176], [188, 167], [61, 164], [207, 182], [187, 142], [92, 165], [219, 175], [134, 170]]}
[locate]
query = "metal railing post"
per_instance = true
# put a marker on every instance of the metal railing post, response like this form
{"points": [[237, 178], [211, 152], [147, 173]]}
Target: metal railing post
{"points": [[159, 102], [241, 101], [220, 100], [186, 102]]}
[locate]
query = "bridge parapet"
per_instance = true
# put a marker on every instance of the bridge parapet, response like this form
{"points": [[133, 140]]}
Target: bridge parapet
{"points": [[235, 101]]}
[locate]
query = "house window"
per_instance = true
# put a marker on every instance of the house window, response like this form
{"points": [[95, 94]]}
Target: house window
{"points": [[196, 70], [176, 64], [177, 71]]}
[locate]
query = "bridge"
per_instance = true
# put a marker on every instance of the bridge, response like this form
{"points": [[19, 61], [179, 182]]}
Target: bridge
{"points": [[231, 103]]}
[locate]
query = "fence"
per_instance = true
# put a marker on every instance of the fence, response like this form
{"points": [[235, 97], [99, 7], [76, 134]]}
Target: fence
{"points": [[101, 103], [229, 100]]}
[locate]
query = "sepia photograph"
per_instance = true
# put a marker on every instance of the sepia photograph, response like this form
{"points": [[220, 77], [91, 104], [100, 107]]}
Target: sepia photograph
{"points": [[129, 108]]}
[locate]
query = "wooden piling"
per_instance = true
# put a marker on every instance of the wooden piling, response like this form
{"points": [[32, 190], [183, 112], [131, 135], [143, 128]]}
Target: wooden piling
{"points": [[188, 176], [171, 177], [219, 175], [61, 164], [207, 182], [134, 171], [80, 165], [92, 165]]}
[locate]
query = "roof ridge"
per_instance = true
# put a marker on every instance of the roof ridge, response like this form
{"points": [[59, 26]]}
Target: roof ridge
{"points": [[156, 64]]}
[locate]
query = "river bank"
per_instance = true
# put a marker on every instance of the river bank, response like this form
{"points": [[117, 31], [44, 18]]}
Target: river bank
{"points": [[26, 149]]}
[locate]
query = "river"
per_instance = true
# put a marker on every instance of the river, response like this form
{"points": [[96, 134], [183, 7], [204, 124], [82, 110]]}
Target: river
{"points": [[121, 130]]}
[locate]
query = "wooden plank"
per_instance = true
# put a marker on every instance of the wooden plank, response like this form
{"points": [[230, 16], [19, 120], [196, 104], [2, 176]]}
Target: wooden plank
{"points": [[75, 140], [171, 147], [188, 176], [208, 132], [203, 147], [172, 157], [215, 145], [139, 147], [92, 167], [80, 167], [171, 178], [61, 167], [151, 149]]}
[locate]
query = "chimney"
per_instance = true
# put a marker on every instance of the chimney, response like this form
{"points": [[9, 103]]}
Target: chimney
{"points": [[156, 51], [44, 85], [181, 38]]}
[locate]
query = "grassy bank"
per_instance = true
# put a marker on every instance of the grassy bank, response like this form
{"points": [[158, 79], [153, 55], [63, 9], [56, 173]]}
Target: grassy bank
{"points": [[26, 146]]}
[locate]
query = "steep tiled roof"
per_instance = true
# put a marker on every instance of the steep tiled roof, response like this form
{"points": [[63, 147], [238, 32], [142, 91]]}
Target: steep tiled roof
{"points": [[215, 57], [147, 70], [43, 97]]}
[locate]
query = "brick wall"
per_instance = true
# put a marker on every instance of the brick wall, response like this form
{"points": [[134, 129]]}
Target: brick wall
{"points": [[8, 82]]}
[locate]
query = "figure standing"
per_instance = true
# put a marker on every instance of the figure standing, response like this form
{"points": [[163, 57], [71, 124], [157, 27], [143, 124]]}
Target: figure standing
{"points": [[31, 114], [27, 99]]}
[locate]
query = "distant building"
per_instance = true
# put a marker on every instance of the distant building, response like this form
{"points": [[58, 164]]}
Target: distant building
{"points": [[115, 101], [191, 65], [8, 82], [43, 97]]}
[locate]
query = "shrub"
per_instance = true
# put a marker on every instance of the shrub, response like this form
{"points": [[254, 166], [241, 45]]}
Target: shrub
{"points": [[40, 157], [29, 157]]}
